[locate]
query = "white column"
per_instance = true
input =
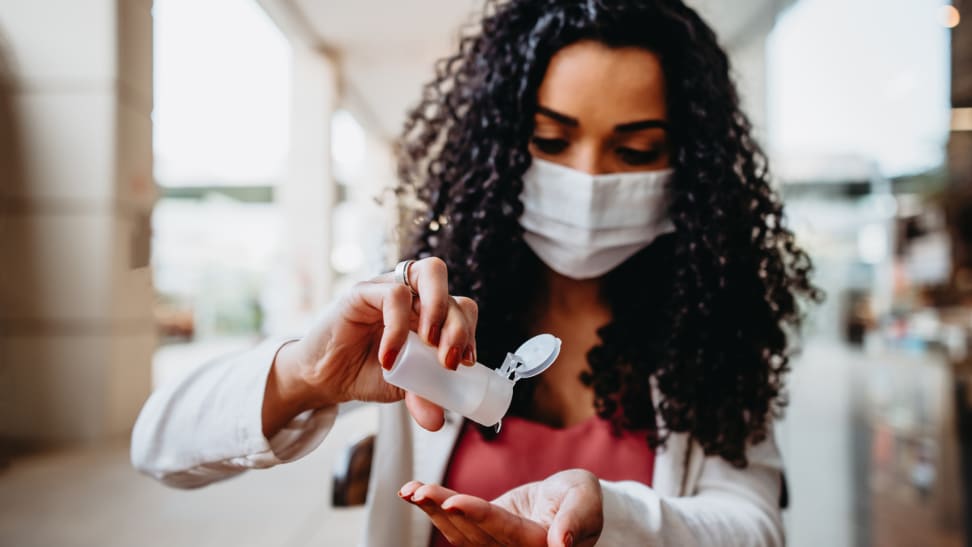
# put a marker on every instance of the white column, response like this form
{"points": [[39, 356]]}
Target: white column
{"points": [[307, 195], [747, 57], [76, 328]]}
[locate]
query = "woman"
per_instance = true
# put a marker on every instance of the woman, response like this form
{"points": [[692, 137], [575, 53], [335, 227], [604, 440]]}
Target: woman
{"points": [[587, 172]]}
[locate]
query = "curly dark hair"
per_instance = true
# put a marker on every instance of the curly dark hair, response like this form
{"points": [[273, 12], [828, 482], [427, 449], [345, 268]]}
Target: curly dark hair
{"points": [[707, 312]]}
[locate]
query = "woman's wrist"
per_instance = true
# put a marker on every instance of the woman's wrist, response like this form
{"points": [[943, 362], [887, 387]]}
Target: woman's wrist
{"points": [[287, 392]]}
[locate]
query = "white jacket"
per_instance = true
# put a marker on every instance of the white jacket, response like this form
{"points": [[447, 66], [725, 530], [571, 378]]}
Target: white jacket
{"points": [[208, 427]]}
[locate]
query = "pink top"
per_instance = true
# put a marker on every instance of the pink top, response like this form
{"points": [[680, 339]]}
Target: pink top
{"points": [[527, 451]]}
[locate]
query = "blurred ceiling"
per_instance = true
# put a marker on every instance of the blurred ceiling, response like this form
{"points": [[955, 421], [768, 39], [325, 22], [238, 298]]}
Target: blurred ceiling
{"points": [[385, 49]]}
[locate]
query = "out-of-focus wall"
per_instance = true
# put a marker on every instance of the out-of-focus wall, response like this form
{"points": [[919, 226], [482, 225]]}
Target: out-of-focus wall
{"points": [[76, 332]]}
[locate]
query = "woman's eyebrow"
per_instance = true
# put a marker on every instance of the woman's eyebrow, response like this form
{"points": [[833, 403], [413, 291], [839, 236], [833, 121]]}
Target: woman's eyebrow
{"points": [[639, 125], [627, 127], [557, 116]]}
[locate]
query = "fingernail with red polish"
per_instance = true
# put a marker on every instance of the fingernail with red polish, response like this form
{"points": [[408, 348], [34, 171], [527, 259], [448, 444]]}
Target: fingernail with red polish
{"points": [[568, 539], [434, 335], [389, 359], [452, 358], [467, 356]]}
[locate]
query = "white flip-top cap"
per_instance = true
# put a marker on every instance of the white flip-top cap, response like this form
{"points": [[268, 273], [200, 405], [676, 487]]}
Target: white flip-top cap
{"points": [[531, 358], [536, 355]]}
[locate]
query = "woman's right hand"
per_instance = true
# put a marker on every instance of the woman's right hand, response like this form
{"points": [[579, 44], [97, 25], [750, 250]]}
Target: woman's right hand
{"points": [[340, 357]]}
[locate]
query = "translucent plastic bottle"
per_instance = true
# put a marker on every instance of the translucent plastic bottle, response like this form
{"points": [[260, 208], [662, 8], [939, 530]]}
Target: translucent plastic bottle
{"points": [[478, 392]]}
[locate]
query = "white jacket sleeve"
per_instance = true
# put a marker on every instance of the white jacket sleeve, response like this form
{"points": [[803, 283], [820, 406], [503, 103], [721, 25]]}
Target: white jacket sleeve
{"points": [[730, 506], [208, 426]]}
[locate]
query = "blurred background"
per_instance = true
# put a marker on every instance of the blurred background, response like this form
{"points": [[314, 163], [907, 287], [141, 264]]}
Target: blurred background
{"points": [[181, 178]]}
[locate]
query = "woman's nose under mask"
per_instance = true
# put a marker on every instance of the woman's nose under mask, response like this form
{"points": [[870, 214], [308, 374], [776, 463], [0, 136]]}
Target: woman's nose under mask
{"points": [[583, 226]]}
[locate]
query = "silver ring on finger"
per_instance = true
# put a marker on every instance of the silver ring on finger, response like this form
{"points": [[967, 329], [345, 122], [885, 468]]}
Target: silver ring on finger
{"points": [[401, 275]]}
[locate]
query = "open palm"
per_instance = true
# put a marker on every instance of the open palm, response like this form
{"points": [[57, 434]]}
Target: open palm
{"points": [[563, 510]]}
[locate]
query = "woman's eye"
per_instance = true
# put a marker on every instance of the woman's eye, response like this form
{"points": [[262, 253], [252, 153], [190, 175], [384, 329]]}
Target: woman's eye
{"points": [[549, 146], [633, 156]]}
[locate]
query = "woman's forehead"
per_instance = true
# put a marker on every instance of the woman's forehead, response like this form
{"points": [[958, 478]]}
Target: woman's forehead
{"points": [[599, 84]]}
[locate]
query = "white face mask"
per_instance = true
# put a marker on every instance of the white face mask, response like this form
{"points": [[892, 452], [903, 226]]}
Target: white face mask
{"points": [[582, 225]]}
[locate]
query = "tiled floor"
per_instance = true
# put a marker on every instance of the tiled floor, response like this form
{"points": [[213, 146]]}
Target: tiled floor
{"points": [[92, 497]]}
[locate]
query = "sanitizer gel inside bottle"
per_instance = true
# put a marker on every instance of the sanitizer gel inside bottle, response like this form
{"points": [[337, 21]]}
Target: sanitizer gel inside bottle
{"points": [[478, 392]]}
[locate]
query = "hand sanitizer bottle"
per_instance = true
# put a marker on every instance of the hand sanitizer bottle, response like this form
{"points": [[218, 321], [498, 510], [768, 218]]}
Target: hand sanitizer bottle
{"points": [[478, 392]]}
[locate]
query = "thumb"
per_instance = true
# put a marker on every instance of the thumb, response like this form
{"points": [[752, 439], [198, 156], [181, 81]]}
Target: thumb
{"points": [[425, 413], [577, 522]]}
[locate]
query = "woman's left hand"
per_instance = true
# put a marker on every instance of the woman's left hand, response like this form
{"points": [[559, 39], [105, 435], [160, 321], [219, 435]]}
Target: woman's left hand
{"points": [[563, 510]]}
